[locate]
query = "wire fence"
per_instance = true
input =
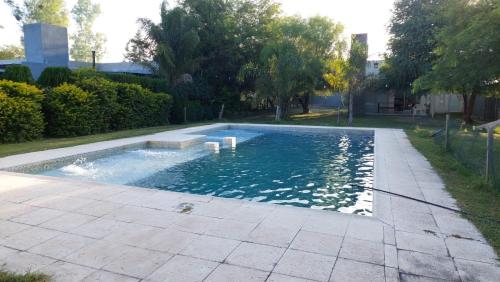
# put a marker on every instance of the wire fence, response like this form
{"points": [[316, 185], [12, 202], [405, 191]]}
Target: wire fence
{"points": [[469, 146]]}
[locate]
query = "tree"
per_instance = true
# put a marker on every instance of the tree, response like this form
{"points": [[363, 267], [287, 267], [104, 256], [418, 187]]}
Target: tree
{"points": [[172, 44], [40, 11], [85, 40], [413, 29], [279, 74], [348, 74], [356, 71], [320, 42], [468, 52], [8, 52]]}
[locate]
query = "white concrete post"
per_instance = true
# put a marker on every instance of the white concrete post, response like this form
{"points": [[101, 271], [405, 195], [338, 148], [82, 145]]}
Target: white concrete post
{"points": [[489, 153], [229, 141], [447, 132], [212, 146]]}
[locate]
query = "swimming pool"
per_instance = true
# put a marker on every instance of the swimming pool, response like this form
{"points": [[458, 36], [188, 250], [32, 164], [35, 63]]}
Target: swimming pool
{"points": [[306, 168]]}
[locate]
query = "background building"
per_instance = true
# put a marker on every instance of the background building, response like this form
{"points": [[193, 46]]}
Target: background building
{"points": [[46, 45]]}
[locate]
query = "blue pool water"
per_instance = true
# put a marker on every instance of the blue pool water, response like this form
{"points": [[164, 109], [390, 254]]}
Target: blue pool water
{"points": [[315, 170]]}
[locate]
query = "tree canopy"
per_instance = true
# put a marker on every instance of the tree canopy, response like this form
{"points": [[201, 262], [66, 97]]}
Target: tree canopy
{"points": [[85, 40], [467, 51], [8, 52], [413, 28], [40, 11]]}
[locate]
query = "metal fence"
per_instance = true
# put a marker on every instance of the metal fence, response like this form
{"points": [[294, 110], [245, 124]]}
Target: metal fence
{"points": [[470, 146]]}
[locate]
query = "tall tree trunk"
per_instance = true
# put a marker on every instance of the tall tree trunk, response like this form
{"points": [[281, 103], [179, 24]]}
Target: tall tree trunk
{"points": [[464, 110], [351, 102], [278, 109], [469, 106], [305, 102]]}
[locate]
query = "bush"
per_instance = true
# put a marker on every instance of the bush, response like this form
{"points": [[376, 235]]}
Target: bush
{"points": [[106, 93], [18, 73], [21, 117], [153, 84], [54, 76], [132, 106], [85, 73], [21, 90], [138, 107], [70, 111], [158, 109]]}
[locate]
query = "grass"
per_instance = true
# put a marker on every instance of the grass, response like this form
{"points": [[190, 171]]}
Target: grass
{"points": [[53, 143], [29, 277]]}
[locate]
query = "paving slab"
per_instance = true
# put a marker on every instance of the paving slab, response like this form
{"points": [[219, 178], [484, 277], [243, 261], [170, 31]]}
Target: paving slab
{"points": [[477, 271], [183, 268], [136, 262], [62, 245], [262, 257], [105, 276], [471, 250], [233, 273], [276, 277], [317, 243], [28, 238], [348, 270], [305, 265], [427, 265], [428, 243], [362, 250], [210, 248]]}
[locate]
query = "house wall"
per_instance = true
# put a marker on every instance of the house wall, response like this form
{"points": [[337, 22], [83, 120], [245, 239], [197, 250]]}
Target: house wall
{"points": [[45, 45]]}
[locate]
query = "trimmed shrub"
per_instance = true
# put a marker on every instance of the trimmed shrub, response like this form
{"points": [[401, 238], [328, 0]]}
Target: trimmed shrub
{"points": [[132, 106], [21, 117], [21, 90], [70, 111], [106, 93], [158, 109], [140, 107], [153, 84], [84, 73], [18, 73], [54, 76]]}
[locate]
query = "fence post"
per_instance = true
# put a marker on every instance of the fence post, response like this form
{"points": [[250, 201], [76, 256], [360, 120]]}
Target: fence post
{"points": [[489, 153], [447, 132], [185, 114]]}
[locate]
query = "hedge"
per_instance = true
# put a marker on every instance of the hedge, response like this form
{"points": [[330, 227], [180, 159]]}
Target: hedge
{"points": [[153, 84], [105, 92], [21, 117], [18, 73], [140, 107], [92, 104], [70, 111], [54, 76], [159, 109], [132, 106]]}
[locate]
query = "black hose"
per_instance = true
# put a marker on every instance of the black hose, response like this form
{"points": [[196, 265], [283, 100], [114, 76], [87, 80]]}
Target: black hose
{"points": [[486, 218]]}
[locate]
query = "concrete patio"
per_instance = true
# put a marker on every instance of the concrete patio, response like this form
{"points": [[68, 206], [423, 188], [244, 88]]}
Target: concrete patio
{"points": [[82, 231]]}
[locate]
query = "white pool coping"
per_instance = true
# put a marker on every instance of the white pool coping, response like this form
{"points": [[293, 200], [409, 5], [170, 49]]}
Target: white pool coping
{"points": [[229, 239]]}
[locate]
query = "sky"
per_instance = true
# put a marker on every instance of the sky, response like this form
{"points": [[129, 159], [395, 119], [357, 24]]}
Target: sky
{"points": [[118, 20]]}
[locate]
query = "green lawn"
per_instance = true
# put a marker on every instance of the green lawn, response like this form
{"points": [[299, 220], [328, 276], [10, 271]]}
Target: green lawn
{"points": [[29, 277], [464, 183]]}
